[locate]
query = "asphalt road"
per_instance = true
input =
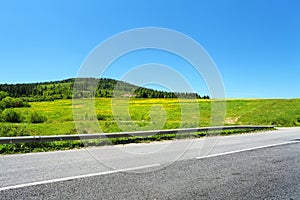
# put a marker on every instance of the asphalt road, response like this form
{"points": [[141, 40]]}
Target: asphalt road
{"points": [[249, 166]]}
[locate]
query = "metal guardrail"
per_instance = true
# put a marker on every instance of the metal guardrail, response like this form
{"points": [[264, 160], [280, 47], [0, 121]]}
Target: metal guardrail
{"points": [[52, 138]]}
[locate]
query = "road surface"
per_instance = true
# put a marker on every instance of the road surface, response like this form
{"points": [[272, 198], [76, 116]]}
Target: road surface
{"points": [[249, 166]]}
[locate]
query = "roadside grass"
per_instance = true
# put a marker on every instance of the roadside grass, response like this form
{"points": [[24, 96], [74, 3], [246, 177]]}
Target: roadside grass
{"points": [[277, 112], [68, 145]]}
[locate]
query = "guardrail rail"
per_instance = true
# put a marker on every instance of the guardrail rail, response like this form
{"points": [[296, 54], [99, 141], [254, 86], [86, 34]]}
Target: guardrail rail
{"points": [[52, 138]]}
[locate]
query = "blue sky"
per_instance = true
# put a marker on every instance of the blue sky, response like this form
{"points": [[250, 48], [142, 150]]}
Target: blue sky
{"points": [[255, 44]]}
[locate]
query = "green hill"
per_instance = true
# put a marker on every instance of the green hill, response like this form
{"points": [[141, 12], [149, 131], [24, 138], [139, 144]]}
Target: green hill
{"points": [[85, 87]]}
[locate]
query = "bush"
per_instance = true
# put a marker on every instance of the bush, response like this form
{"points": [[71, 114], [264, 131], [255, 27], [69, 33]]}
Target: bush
{"points": [[11, 115], [35, 117], [3, 95], [101, 117], [2, 105], [9, 102], [11, 130], [19, 103]]}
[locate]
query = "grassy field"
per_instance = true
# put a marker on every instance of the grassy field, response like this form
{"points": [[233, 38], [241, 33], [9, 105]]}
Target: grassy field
{"points": [[139, 114], [148, 114]]}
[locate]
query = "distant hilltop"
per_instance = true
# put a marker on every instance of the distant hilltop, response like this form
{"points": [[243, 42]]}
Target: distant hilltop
{"points": [[85, 88]]}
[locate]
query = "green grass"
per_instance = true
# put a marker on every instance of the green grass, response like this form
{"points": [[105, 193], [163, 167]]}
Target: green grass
{"points": [[278, 112], [148, 114], [66, 145]]}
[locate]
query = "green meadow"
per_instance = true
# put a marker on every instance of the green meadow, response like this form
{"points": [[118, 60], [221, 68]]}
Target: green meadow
{"points": [[132, 114]]}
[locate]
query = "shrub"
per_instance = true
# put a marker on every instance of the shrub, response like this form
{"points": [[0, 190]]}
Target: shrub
{"points": [[11, 130], [101, 117], [18, 103], [9, 102], [11, 115], [2, 106], [35, 117], [3, 95]]}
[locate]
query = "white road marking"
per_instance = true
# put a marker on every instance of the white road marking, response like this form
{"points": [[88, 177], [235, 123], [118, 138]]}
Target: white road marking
{"points": [[76, 177], [134, 168], [249, 149]]}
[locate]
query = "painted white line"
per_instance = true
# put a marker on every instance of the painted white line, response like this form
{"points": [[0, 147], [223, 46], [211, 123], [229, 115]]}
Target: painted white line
{"points": [[134, 168], [76, 177], [249, 149]]}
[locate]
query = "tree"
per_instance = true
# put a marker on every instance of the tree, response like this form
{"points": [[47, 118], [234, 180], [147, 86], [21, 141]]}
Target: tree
{"points": [[3, 95]]}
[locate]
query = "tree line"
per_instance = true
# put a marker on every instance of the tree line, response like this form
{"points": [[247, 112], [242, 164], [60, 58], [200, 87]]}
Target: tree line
{"points": [[85, 88]]}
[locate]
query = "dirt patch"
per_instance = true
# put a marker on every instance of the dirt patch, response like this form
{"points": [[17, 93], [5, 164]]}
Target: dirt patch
{"points": [[232, 120]]}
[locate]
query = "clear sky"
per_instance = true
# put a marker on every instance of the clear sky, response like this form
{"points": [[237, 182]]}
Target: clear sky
{"points": [[254, 43]]}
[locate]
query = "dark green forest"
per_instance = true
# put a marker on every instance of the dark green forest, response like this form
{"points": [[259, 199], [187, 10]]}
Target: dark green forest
{"points": [[85, 88]]}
